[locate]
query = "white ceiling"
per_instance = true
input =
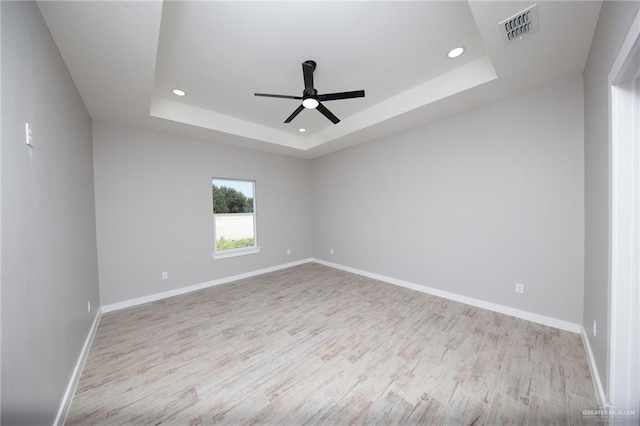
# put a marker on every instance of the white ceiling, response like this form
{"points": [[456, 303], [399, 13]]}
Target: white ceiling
{"points": [[125, 57]]}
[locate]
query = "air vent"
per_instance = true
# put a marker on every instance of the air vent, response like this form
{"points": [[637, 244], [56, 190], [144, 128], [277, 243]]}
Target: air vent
{"points": [[520, 24]]}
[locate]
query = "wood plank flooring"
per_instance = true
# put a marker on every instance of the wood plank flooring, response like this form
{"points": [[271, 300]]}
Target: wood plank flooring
{"points": [[315, 345]]}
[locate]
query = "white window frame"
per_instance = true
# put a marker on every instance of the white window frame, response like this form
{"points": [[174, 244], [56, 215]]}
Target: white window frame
{"points": [[244, 251]]}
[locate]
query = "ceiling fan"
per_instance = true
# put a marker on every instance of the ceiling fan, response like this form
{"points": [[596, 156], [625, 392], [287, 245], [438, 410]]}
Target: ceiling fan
{"points": [[310, 97]]}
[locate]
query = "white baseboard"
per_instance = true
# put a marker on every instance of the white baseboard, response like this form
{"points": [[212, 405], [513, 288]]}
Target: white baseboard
{"points": [[183, 290], [502, 309], [593, 368], [63, 410]]}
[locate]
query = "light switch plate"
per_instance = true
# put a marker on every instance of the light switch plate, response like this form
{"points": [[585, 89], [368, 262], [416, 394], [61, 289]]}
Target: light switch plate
{"points": [[28, 134]]}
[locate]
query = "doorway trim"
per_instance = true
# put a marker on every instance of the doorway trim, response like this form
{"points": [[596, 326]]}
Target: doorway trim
{"points": [[623, 366]]}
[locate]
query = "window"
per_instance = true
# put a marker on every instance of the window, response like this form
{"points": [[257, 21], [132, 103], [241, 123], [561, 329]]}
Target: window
{"points": [[234, 217]]}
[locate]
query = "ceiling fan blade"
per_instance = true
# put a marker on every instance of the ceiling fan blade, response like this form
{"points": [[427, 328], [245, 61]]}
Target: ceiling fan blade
{"points": [[307, 74], [267, 95], [294, 113], [341, 95], [327, 113]]}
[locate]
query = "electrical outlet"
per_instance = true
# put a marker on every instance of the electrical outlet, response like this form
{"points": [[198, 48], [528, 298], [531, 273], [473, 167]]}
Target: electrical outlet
{"points": [[595, 328], [331, 251], [519, 288], [89, 306], [288, 251], [165, 275]]}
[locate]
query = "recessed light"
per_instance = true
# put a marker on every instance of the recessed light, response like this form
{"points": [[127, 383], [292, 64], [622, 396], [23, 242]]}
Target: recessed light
{"points": [[178, 92], [302, 130], [454, 53]]}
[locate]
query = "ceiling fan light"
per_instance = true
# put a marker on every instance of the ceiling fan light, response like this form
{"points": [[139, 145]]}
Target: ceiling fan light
{"points": [[310, 103]]}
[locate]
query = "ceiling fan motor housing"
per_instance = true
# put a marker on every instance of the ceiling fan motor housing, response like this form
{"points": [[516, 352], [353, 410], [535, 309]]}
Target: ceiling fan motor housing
{"points": [[311, 93]]}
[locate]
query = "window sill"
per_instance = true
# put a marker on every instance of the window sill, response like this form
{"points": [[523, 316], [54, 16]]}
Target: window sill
{"points": [[235, 253]]}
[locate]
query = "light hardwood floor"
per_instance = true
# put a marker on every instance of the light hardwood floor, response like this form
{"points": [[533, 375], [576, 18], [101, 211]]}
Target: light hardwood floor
{"points": [[315, 345]]}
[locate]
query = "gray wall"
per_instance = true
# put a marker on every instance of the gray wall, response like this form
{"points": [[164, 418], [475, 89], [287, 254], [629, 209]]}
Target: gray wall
{"points": [[0, 215], [48, 221], [470, 204], [613, 25], [154, 210]]}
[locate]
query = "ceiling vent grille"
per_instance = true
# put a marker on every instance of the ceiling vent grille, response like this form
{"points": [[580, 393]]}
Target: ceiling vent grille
{"points": [[520, 25]]}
